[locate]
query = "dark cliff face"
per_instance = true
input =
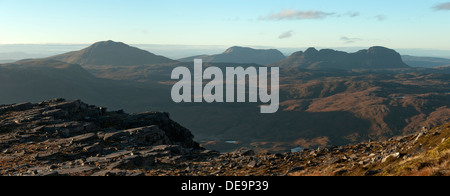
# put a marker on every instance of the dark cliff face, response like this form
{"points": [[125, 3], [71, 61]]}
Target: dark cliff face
{"points": [[111, 53], [372, 58]]}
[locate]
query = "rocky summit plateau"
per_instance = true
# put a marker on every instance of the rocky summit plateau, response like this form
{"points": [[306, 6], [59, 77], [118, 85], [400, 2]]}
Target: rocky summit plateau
{"points": [[71, 138]]}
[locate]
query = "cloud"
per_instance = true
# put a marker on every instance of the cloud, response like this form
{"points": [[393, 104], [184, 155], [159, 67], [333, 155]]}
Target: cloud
{"points": [[287, 34], [442, 7], [351, 14], [381, 17], [297, 15], [348, 40]]}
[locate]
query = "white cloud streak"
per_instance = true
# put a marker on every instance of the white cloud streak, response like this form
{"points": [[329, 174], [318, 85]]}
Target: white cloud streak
{"points": [[297, 15], [349, 40]]}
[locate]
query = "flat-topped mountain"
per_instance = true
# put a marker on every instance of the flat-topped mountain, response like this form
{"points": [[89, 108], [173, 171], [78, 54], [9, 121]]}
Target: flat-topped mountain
{"points": [[111, 53], [238, 54], [373, 58]]}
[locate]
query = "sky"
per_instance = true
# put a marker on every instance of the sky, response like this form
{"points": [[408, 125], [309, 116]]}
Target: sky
{"points": [[418, 24]]}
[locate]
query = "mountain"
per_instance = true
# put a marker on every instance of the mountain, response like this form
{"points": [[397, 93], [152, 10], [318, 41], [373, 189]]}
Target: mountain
{"points": [[111, 53], [351, 106], [42, 73], [238, 54], [426, 62], [373, 58], [355, 105], [69, 70]]}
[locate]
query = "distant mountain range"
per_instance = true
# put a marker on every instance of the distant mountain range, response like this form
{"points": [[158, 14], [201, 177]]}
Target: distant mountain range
{"points": [[426, 62], [119, 54], [327, 97], [111, 53], [238, 54], [373, 58], [12, 53]]}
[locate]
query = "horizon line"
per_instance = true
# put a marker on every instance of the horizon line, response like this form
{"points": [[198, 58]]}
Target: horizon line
{"points": [[232, 45]]}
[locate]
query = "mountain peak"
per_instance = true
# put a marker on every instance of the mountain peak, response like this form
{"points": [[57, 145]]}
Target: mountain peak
{"points": [[378, 50], [240, 49], [236, 49], [111, 53], [311, 50], [239, 54], [109, 43]]}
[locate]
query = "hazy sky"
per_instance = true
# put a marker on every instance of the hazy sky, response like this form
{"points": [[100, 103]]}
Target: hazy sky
{"points": [[271, 23]]}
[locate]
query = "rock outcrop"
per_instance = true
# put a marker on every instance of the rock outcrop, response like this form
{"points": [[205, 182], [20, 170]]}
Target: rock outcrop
{"points": [[71, 138], [59, 137]]}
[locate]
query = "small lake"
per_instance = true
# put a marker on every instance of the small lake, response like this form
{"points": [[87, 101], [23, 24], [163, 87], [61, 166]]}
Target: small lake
{"points": [[298, 149]]}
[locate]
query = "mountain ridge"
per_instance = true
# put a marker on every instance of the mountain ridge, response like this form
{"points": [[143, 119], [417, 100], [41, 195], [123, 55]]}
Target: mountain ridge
{"points": [[376, 57]]}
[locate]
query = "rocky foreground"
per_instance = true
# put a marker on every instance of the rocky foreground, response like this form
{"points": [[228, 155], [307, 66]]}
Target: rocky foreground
{"points": [[71, 138]]}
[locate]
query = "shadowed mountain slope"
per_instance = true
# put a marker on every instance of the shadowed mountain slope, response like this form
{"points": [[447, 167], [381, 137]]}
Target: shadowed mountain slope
{"points": [[34, 80]]}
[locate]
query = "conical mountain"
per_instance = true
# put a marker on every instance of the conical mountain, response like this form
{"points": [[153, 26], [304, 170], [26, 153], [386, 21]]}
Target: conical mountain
{"points": [[111, 53]]}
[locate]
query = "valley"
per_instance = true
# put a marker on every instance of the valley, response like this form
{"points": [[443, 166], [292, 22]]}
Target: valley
{"points": [[323, 101]]}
